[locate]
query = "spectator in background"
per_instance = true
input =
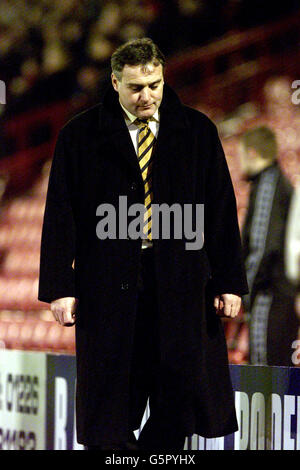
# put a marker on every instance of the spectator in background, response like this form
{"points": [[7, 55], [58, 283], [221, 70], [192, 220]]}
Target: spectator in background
{"points": [[90, 84], [71, 34], [252, 13], [273, 323], [186, 23]]}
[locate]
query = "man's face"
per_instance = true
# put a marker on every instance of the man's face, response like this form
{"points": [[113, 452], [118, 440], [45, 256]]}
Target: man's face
{"points": [[140, 89], [251, 162]]}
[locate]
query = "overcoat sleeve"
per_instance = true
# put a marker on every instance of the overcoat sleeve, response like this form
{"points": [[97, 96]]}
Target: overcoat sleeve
{"points": [[56, 277], [222, 234]]}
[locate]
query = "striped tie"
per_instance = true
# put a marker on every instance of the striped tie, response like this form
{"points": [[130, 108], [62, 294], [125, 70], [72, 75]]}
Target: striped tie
{"points": [[146, 141]]}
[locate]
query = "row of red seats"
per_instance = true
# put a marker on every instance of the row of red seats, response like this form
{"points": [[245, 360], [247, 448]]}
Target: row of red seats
{"points": [[26, 323], [21, 261], [19, 293], [20, 238], [33, 332], [30, 209], [20, 234]]}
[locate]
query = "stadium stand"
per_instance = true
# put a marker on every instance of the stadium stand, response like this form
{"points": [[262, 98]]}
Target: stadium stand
{"points": [[239, 80], [26, 323]]}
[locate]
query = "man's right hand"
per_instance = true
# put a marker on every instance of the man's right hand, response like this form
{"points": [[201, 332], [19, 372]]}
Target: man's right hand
{"points": [[64, 310]]}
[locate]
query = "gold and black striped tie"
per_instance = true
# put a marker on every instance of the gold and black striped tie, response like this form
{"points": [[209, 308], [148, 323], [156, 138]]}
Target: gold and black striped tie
{"points": [[146, 141]]}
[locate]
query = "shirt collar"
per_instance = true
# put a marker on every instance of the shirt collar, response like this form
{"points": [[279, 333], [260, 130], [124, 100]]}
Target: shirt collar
{"points": [[132, 117]]}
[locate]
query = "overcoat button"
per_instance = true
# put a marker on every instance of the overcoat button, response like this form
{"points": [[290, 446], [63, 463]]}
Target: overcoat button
{"points": [[133, 186], [124, 286]]}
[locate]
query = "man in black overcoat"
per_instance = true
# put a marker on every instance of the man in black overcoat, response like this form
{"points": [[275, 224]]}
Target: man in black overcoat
{"points": [[146, 308]]}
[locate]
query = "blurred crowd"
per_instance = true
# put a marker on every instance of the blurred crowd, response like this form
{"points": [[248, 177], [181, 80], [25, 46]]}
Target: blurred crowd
{"points": [[52, 49]]}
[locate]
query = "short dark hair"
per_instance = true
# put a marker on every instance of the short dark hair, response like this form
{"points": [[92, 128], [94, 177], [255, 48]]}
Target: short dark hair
{"points": [[136, 52], [263, 140]]}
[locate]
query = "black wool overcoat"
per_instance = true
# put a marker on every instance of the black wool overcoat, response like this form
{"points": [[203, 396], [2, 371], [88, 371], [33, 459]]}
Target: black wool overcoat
{"points": [[95, 163]]}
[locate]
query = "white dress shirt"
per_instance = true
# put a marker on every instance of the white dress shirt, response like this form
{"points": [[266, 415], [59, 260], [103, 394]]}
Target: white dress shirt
{"points": [[133, 128]]}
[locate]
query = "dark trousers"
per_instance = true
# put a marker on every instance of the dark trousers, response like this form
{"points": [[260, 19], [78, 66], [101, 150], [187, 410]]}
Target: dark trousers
{"points": [[162, 430]]}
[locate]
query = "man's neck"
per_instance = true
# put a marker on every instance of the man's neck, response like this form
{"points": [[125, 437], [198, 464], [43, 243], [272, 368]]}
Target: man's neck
{"points": [[259, 170], [132, 117]]}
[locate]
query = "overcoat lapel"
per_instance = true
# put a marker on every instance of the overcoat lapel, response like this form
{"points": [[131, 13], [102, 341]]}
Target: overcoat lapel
{"points": [[114, 129], [172, 126]]}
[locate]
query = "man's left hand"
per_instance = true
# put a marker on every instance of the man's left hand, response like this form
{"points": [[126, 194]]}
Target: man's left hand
{"points": [[227, 305]]}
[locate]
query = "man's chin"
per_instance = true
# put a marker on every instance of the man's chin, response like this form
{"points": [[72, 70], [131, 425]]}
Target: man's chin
{"points": [[146, 112]]}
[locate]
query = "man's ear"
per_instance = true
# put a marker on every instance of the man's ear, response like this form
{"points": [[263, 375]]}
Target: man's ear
{"points": [[115, 82]]}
